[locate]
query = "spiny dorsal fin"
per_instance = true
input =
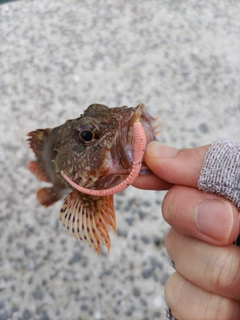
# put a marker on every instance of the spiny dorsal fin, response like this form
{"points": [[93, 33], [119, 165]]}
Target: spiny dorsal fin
{"points": [[37, 139], [88, 218]]}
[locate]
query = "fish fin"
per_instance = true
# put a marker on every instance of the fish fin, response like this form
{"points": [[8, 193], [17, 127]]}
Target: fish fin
{"points": [[37, 140], [89, 218], [34, 167], [47, 196], [156, 127]]}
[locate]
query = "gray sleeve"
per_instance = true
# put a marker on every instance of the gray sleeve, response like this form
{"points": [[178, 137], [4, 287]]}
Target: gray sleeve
{"points": [[220, 171]]}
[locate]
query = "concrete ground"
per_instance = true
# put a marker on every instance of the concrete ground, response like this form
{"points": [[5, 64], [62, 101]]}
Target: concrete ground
{"points": [[182, 59]]}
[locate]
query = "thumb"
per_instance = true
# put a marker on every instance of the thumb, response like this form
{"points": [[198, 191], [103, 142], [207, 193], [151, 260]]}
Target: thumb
{"points": [[176, 166]]}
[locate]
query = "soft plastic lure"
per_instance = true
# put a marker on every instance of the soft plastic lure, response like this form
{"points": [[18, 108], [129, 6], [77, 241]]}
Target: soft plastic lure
{"points": [[139, 145]]}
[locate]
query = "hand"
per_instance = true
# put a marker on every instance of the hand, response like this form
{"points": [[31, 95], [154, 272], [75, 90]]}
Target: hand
{"points": [[206, 284]]}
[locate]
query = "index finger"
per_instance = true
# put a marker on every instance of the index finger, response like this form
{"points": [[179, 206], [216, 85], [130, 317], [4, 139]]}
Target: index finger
{"points": [[151, 182], [171, 166]]}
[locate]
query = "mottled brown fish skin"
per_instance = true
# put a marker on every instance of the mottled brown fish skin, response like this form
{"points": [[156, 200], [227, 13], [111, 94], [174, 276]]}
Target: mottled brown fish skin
{"points": [[95, 151]]}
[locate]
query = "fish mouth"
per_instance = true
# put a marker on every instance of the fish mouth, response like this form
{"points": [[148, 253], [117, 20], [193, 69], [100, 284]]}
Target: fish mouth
{"points": [[126, 142]]}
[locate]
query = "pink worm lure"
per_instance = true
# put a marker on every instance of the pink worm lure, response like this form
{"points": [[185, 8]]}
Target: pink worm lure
{"points": [[139, 145]]}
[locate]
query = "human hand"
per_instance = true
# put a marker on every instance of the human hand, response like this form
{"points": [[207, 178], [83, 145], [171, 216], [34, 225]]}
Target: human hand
{"points": [[206, 284]]}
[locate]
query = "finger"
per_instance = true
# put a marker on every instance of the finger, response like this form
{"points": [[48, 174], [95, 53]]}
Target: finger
{"points": [[175, 166], [214, 269], [171, 166], [201, 215], [188, 302], [151, 182]]}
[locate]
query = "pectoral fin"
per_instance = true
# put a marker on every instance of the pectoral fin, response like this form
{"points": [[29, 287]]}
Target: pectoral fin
{"points": [[89, 218]]}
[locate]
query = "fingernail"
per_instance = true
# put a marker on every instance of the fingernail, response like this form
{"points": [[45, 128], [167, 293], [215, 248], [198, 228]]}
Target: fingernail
{"points": [[214, 218], [157, 150]]}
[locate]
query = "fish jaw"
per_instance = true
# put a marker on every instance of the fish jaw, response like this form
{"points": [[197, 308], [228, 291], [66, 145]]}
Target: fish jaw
{"points": [[126, 138], [119, 158], [139, 145]]}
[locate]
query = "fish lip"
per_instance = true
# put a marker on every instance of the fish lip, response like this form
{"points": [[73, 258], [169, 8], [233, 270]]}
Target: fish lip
{"points": [[127, 141]]}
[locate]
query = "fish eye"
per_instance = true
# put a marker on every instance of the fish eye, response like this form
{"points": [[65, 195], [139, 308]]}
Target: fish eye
{"points": [[87, 131], [86, 135]]}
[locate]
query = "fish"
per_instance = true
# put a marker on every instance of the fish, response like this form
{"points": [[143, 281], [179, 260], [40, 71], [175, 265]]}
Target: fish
{"points": [[95, 151]]}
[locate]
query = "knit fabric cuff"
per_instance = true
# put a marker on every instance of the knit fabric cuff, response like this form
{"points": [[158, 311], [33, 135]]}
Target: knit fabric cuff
{"points": [[220, 171]]}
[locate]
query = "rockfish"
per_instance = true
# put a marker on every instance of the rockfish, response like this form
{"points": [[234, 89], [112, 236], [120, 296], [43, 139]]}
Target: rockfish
{"points": [[95, 152]]}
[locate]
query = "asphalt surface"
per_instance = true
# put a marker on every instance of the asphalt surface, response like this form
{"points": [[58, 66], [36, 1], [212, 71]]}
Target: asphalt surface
{"points": [[182, 59]]}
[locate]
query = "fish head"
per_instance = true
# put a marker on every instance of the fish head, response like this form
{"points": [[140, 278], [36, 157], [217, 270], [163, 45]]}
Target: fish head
{"points": [[95, 150]]}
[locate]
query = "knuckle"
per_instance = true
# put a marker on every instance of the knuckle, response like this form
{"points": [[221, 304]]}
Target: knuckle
{"points": [[222, 269], [170, 205], [223, 309]]}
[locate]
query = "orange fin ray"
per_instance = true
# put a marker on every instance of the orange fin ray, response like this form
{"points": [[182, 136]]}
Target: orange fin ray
{"points": [[88, 218], [37, 140], [48, 196], [34, 167], [157, 125]]}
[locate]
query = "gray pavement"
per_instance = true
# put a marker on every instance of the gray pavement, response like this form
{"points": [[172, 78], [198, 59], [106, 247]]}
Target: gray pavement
{"points": [[182, 59]]}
